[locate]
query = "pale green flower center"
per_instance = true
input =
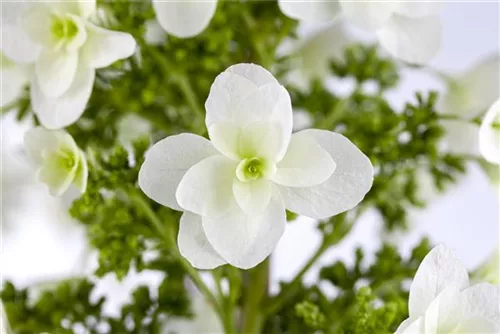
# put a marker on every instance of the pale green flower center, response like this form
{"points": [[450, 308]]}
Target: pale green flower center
{"points": [[64, 28], [65, 159], [251, 169]]}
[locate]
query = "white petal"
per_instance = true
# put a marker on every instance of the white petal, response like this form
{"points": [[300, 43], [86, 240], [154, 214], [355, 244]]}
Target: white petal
{"points": [[247, 93], [445, 312], [167, 162], [206, 188], [477, 325], [59, 112], [489, 134], [253, 197], [17, 45], [36, 141], [483, 301], [103, 47], [154, 35], [305, 164], [461, 137], [194, 245], [472, 93], [414, 40], [184, 18], [58, 179], [419, 8], [439, 269], [86, 8], [14, 78], [368, 15], [246, 240], [55, 72], [225, 137], [37, 23], [346, 187], [310, 10], [410, 327]]}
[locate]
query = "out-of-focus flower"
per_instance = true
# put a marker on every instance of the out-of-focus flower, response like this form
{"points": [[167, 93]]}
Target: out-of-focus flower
{"points": [[58, 160], [66, 49], [205, 320], [441, 300], [131, 127], [468, 96], [489, 271], [14, 78], [234, 189], [489, 134], [408, 30], [154, 35], [314, 52]]}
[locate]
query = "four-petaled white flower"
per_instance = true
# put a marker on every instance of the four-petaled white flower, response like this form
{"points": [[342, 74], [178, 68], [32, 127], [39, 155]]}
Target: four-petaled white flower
{"points": [[58, 160], [234, 189], [489, 134], [441, 300], [409, 30], [66, 49]]}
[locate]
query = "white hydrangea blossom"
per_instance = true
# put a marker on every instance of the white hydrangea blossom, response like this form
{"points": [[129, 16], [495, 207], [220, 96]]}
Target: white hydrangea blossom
{"points": [[66, 49], [407, 29], [57, 159], [468, 96], [442, 300], [234, 189], [314, 51], [489, 134]]}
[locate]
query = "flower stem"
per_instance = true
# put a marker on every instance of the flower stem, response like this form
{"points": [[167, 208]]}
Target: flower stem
{"points": [[141, 203], [256, 287]]}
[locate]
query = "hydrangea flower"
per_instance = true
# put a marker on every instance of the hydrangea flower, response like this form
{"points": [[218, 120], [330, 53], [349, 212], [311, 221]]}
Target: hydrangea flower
{"points": [[442, 301], [489, 134], [234, 188], [409, 30], [314, 52], [66, 49], [57, 159]]}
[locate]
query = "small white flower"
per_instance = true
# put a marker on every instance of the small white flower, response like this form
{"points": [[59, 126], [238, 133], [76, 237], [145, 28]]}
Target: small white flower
{"points": [[315, 51], [234, 189], [14, 78], [489, 271], [131, 127], [154, 35], [409, 30], [58, 160], [66, 48], [441, 300], [489, 134], [205, 319]]}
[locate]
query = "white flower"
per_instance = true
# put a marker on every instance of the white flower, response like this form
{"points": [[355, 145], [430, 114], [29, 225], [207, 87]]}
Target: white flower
{"points": [[66, 48], [489, 271], [205, 320], [131, 127], [14, 78], [441, 300], [57, 159], [409, 30], [234, 189], [154, 34], [489, 134], [315, 51]]}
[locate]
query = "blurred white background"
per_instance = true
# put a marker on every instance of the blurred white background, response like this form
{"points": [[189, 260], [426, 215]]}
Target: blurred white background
{"points": [[40, 242]]}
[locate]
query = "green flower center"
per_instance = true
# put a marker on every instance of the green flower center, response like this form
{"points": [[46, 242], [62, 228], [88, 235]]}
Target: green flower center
{"points": [[252, 169], [65, 160], [64, 28]]}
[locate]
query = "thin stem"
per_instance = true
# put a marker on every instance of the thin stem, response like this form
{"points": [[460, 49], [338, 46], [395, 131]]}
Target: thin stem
{"points": [[257, 282], [260, 53], [285, 295], [138, 199]]}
